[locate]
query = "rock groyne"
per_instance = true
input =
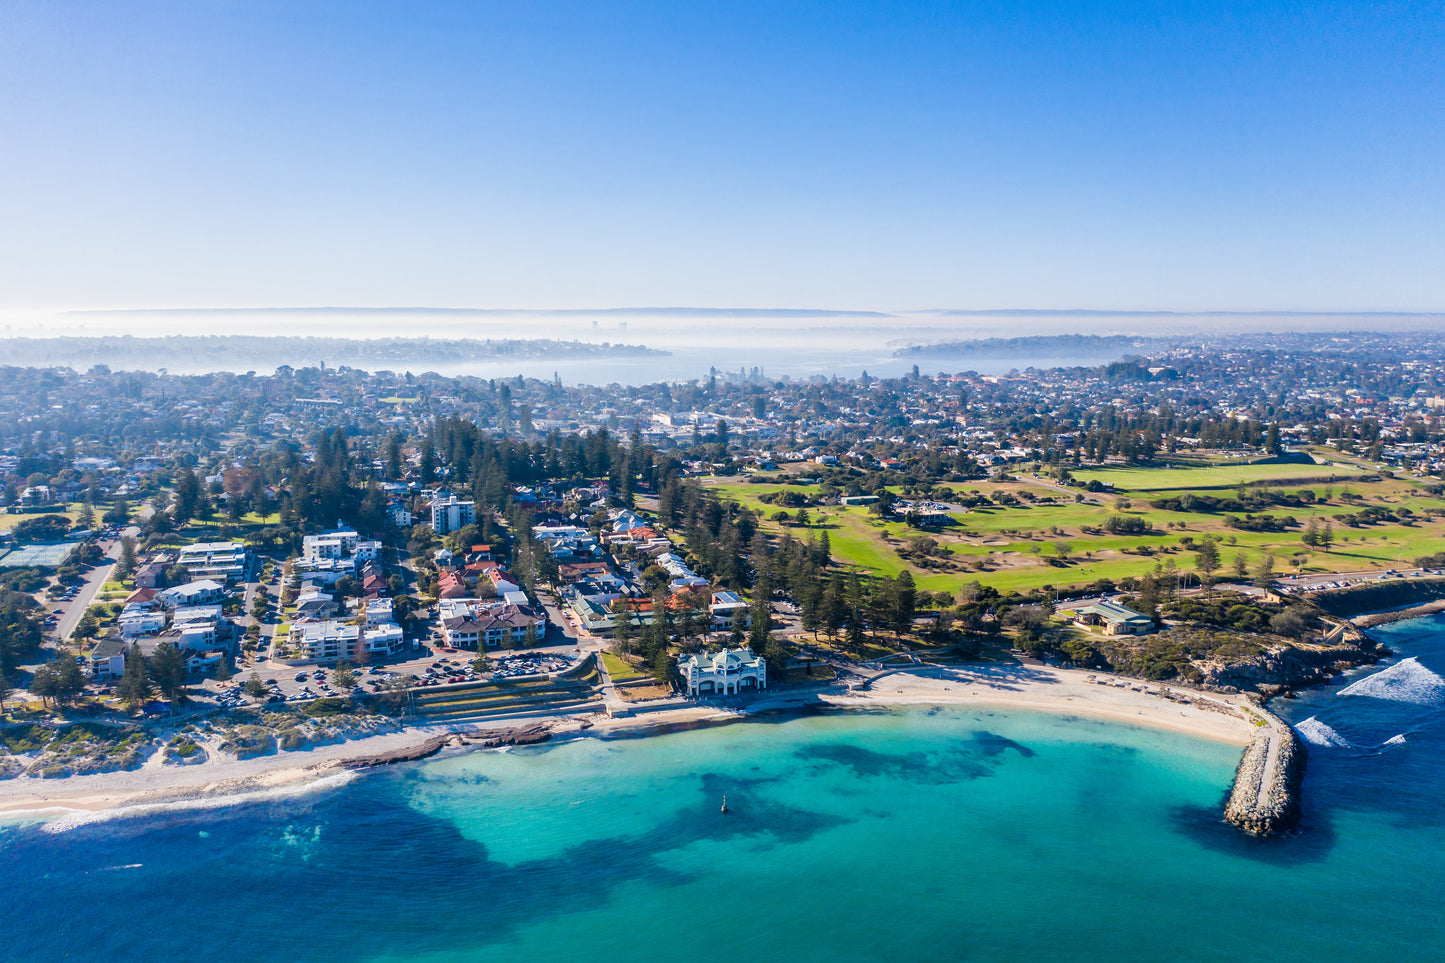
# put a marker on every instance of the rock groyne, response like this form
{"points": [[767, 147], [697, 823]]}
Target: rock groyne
{"points": [[1265, 800]]}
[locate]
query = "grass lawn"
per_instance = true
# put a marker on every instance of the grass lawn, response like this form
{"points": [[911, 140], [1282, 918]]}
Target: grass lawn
{"points": [[620, 669], [643, 693], [820, 672], [1013, 547], [8, 521], [1162, 479]]}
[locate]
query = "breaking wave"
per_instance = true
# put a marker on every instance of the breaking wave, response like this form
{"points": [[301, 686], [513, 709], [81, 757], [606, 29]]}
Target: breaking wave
{"points": [[1396, 740], [75, 819], [1317, 733], [1405, 681]]}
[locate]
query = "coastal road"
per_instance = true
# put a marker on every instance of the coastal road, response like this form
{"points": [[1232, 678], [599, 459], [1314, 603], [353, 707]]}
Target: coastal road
{"points": [[75, 608]]}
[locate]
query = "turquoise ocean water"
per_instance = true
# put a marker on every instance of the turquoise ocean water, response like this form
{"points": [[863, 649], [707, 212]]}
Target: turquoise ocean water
{"points": [[917, 835]]}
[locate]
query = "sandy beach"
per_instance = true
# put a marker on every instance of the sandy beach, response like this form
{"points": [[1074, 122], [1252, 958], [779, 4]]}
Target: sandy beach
{"points": [[223, 780]]}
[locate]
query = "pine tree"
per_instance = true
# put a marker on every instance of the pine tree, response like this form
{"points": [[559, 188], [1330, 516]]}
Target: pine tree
{"points": [[127, 557], [168, 669], [905, 599], [855, 630], [1327, 535], [1206, 556], [1264, 573], [135, 684]]}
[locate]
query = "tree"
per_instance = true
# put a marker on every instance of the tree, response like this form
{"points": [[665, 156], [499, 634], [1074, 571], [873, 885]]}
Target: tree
{"points": [[44, 683], [1264, 572], [1311, 534], [5, 691], [624, 629], [223, 670], [855, 630], [168, 669], [127, 557], [905, 601], [662, 666], [87, 626], [135, 684], [1206, 559], [70, 681], [481, 663], [1327, 535], [1063, 549], [343, 677], [254, 687], [1241, 566]]}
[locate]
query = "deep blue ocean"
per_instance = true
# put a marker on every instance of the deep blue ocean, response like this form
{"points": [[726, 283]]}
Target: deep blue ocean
{"points": [[916, 835]]}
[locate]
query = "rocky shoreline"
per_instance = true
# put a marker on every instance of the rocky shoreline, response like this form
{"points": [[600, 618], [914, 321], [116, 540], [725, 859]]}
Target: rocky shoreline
{"points": [[522, 736]]}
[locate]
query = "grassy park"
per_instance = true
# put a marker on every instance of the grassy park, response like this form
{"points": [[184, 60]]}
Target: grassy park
{"points": [[1036, 535]]}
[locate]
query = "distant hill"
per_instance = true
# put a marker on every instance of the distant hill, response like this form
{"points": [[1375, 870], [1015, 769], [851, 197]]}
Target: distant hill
{"points": [[240, 352], [1073, 347]]}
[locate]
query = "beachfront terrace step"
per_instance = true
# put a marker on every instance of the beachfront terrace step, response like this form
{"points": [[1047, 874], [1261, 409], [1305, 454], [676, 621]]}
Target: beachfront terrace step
{"points": [[453, 695], [449, 705], [488, 687], [517, 712]]}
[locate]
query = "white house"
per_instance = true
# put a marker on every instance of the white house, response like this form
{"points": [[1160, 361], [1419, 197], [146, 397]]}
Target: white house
{"points": [[107, 659], [219, 561], [192, 593], [135, 620], [729, 672], [315, 605], [727, 606]]}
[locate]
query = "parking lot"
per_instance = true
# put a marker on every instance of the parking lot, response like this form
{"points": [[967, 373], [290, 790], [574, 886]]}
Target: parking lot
{"points": [[297, 683]]}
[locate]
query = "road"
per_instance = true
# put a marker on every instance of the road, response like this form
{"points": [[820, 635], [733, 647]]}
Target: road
{"points": [[1310, 583], [98, 576]]}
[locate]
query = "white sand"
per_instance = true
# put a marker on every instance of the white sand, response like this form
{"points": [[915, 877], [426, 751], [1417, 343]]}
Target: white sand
{"points": [[222, 779]]}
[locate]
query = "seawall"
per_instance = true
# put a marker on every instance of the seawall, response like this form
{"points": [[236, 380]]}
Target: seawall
{"points": [[1394, 593], [1265, 800]]}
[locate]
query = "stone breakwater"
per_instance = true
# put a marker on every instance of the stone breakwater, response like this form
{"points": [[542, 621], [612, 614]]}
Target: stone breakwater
{"points": [[1265, 800]]}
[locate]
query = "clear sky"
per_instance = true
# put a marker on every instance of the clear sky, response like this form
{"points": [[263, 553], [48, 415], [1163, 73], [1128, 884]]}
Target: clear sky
{"points": [[842, 155]]}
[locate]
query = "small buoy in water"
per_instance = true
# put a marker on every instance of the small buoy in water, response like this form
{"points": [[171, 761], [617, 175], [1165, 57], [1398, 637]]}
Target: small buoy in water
{"points": [[724, 805]]}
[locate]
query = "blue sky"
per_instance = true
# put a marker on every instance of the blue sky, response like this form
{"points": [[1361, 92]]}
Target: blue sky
{"points": [[889, 156]]}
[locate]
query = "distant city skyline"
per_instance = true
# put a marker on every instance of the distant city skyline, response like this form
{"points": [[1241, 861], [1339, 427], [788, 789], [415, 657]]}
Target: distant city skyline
{"points": [[979, 158]]}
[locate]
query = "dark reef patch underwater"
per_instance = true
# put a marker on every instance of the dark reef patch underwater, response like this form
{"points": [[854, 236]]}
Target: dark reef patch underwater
{"points": [[950, 834]]}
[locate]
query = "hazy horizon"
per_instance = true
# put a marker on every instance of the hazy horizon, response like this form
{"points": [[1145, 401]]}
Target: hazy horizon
{"points": [[1237, 156]]}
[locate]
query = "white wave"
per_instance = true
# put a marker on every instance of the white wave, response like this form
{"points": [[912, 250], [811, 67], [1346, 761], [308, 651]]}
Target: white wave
{"points": [[1396, 740], [1405, 681], [1317, 733], [75, 819]]}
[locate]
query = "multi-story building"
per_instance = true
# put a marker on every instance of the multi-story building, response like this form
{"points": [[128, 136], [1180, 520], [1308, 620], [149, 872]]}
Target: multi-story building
{"points": [[449, 513], [220, 561], [729, 672], [476, 624]]}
